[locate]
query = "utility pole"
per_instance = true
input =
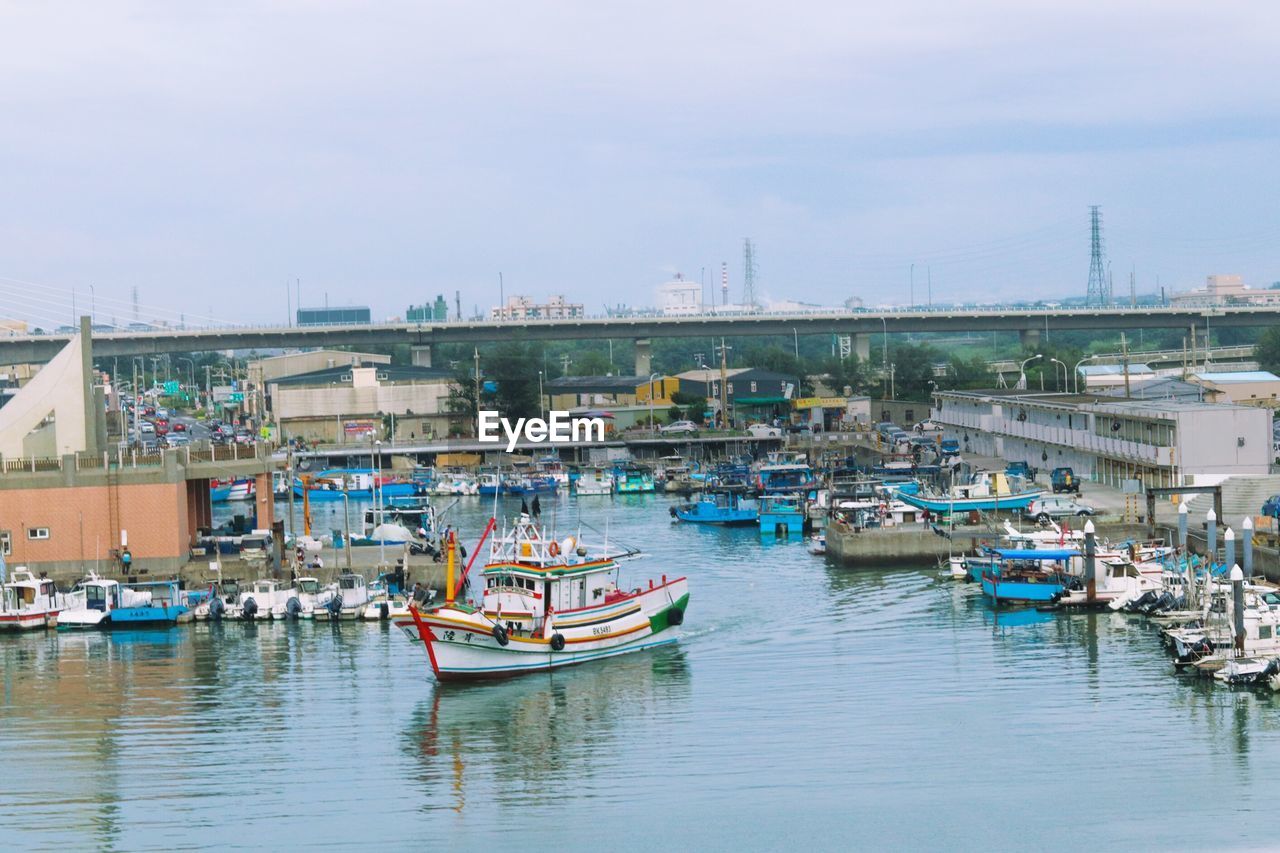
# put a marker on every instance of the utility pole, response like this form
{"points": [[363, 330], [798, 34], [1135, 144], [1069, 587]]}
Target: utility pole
{"points": [[477, 357], [1124, 357], [724, 384]]}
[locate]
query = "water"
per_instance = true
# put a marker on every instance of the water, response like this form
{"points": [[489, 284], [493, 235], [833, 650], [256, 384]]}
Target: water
{"points": [[807, 704]]}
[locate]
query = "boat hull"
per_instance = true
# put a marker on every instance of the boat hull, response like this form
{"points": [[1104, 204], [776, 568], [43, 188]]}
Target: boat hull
{"points": [[944, 505], [466, 650], [1021, 591]]}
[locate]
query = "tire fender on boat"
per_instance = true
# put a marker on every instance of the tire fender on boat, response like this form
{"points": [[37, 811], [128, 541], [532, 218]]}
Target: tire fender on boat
{"points": [[675, 616], [557, 642], [500, 634]]}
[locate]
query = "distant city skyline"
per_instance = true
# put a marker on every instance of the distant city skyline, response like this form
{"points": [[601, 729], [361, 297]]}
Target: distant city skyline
{"points": [[210, 160]]}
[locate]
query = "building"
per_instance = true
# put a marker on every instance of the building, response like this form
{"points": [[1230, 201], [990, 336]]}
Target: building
{"points": [[261, 373], [571, 392], [524, 308], [435, 313], [352, 315], [680, 297], [349, 403], [1225, 290], [1162, 388], [752, 394], [1160, 443], [70, 502], [1248, 387], [1111, 375]]}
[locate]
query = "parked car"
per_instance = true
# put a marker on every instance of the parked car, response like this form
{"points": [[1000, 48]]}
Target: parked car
{"points": [[928, 426], [1064, 480], [803, 428], [1020, 469], [174, 440], [146, 428], [764, 431], [885, 427], [1271, 507], [950, 446], [678, 427], [1045, 509]]}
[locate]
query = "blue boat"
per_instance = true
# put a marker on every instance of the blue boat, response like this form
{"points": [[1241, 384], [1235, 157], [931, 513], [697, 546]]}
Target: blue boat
{"points": [[355, 483], [1027, 575], [149, 603], [782, 515], [987, 491], [631, 478], [785, 478], [724, 506]]}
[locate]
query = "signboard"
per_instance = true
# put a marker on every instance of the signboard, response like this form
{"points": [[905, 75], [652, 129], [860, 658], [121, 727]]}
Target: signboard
{"points": [[359, 429], [820, 403], [235, 397]]}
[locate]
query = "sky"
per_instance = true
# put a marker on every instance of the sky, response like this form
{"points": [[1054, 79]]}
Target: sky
{"points": [[214, 155]]}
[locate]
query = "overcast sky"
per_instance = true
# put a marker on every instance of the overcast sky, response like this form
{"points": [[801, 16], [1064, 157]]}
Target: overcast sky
{"points": [[209, 153]]}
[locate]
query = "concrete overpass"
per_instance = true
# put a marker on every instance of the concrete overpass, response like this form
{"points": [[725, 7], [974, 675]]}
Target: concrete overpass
{"points": [[863, 326]]}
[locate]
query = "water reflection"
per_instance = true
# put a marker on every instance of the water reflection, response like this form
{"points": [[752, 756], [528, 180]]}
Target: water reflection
{"points": [[528, 741]]}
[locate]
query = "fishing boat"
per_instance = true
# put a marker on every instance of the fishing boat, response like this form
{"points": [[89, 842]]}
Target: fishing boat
{"points": [[986, 491], [1023, 577], [386, 601], [354, 483], [632, 478], [348, 601], [546, 604], [312, 596], [818, 544], [593, 481], [149, 603], [268, 599], [237, 489], [725, 506], [89, 605], [455, 483], [785, 474], [29, 602], [781, 515], [490, 484]]}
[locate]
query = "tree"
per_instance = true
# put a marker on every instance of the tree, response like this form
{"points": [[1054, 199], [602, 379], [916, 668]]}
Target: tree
{"points": [[1268, 349], [844, 373], [968, 374], [513, 368], [693, 405], [913, 371]]}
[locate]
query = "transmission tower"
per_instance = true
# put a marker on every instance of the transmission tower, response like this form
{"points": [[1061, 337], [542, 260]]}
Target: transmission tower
{"points": [[136, 316], [1099, 289], [749, 271]]}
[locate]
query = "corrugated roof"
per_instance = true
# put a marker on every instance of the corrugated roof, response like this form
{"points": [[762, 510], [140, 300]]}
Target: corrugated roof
{"points": [[391, 372], [1113, 369], [1240, 376]]}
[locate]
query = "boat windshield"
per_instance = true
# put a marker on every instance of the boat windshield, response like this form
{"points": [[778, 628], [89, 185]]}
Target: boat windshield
{"points": [[310, 586]]}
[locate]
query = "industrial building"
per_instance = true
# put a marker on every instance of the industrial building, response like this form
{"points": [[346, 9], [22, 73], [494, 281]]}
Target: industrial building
{"points": [[1159, 442], [438, 312], [1225, 290], [352, 402], [1248, 387], [680, 297]]}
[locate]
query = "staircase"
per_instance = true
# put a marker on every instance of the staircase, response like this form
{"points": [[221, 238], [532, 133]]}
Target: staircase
{"points": [[1241, 497]]}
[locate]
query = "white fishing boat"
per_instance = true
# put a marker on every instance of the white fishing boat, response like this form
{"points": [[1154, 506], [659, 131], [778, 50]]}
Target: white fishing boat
{"points": [[268, 599], [29, 602], [818, 544], [89, 605], [594, 481], [349, 599], [312, 596], [546, 604], [456, 484]]}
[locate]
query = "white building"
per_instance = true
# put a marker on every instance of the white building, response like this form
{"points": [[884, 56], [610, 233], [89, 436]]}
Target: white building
{"points": [[524, 308], [680, 297], [1159, 442], [1113, 375]]}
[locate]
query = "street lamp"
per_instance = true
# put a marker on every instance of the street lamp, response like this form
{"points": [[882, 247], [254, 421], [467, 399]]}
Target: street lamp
{"points": [[1076, 373], [1065, 380], [542, 411], [1022, 371]]}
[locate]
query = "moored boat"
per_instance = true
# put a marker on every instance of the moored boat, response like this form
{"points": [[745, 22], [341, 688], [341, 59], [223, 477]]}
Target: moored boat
{"points": [[724, 506], [986, 491], [29, 602]]}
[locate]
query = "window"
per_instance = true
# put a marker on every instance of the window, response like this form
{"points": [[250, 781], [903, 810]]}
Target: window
{"points": [[6, 543], [730, 387], [1264, 632], [37, 533], [753, 386]]}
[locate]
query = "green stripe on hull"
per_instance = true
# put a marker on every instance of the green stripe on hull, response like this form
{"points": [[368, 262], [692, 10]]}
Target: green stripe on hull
{"points": [[658, 622]]}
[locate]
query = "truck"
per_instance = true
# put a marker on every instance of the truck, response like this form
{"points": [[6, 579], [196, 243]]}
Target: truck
{"points": [[1064, 480]]}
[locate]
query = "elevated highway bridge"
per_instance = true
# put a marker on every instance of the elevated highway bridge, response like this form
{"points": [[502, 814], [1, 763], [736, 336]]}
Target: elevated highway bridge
{"points": [[863, 327]]}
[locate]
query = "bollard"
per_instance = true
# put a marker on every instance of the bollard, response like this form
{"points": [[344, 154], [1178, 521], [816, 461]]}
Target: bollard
{"points": [[1237, 606], [1211, 534], [1182, 526], [1182, 549], [1248, 546], [1090, 564], [1229, 546]]}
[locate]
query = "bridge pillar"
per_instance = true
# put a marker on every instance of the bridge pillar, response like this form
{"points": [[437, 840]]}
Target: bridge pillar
{"points": [[644, 357], [862, 347], [421, 355], [1029, 338]]}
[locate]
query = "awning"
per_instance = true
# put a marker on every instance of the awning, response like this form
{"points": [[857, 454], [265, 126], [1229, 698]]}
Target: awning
{"points": [[1036, 554]]}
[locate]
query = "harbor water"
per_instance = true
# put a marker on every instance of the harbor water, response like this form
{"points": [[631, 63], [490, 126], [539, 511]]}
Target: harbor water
{"points": [[807, 704]]}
